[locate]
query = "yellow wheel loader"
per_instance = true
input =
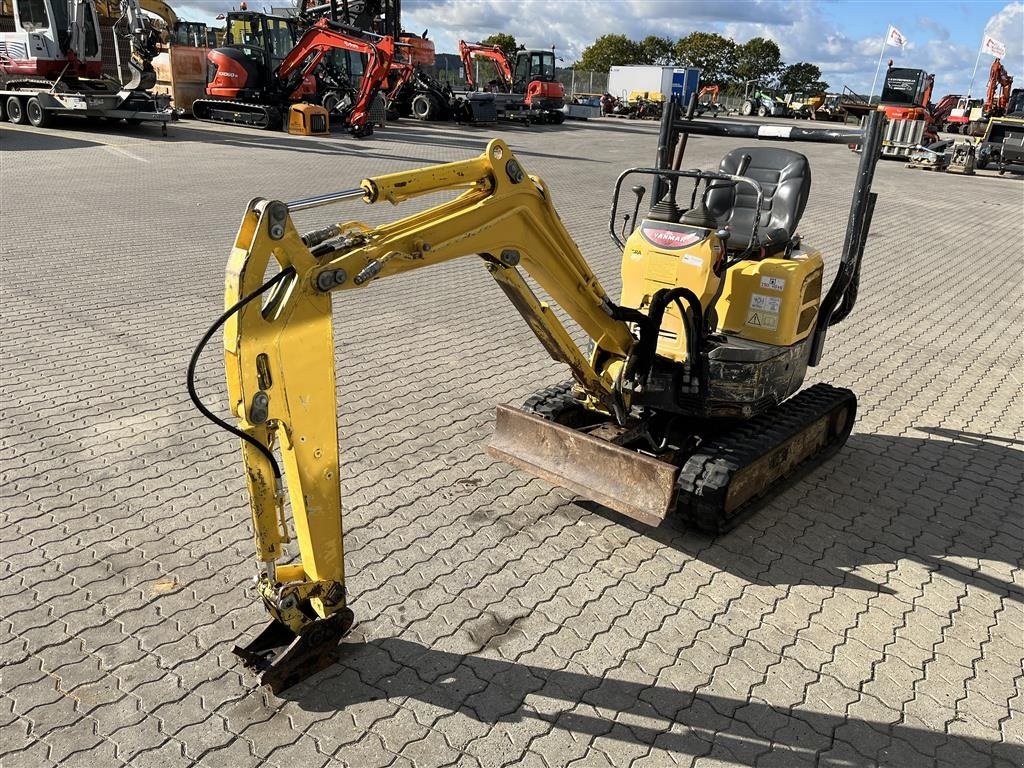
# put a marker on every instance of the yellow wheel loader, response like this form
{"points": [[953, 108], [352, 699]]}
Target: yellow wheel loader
{"points": [[685, 405]]}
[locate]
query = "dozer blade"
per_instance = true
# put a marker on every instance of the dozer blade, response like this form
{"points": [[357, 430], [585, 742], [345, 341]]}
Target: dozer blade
{"points": [[283, 658], [638, 486]]}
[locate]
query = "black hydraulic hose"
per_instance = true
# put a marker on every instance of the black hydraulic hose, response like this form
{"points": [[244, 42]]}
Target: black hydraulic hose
{"points": [[191, 376]]}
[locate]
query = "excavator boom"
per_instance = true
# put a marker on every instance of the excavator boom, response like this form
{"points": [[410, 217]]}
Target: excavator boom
{"points": [[468, 50], [323, 37], [279, 353]]}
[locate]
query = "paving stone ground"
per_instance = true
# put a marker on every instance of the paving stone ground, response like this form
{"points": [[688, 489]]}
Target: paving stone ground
{"points": [[872, 613]]}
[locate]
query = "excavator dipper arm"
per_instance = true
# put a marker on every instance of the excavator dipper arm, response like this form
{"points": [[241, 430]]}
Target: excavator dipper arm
{"points": [[468, 50], [321, 38], [279, 355]]}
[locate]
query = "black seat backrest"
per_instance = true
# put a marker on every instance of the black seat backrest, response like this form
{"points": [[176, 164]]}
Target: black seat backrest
{"points": [[785, 178]]}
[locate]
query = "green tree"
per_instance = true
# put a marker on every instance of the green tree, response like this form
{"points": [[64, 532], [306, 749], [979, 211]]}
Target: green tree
{"points": [[505, 41], [802, 77], [609, 51], [657, 50], [758, 59], [712, 54]]}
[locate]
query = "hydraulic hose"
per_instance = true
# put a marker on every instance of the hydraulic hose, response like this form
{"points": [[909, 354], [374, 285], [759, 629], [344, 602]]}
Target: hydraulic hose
{"points": [[191, 376]]}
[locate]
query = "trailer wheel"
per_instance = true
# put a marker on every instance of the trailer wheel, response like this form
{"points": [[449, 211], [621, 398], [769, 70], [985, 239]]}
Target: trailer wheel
{"points": [[15, 111], [38, 116], [424, 107]]}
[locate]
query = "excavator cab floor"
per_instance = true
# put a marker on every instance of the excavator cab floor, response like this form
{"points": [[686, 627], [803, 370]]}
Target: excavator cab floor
{"points": [[283, 658]]}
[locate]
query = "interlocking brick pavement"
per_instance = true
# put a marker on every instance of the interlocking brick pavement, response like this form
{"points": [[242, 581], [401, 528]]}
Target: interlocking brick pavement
{"points": [[871, 613]]}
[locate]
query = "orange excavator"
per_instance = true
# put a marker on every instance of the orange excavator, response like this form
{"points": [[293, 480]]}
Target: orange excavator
{"points": [[245, 87], [530, 81], [998, 79]]}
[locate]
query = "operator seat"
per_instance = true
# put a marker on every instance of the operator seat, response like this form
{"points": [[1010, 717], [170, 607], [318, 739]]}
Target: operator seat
{"points": [[785, 178]]}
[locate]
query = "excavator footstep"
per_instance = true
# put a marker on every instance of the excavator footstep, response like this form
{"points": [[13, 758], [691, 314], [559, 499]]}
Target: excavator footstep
{"points": [[283, 658]]}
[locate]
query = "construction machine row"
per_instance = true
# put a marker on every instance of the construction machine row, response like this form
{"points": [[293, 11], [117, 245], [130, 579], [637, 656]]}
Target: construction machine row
{"points": [[325, 64]]}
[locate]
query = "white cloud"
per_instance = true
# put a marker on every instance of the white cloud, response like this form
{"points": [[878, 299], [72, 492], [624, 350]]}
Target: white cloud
{"points": [[801, 28], [1007, 27]]}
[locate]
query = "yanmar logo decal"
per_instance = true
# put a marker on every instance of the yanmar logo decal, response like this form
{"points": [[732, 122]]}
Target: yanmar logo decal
{"points": [[670, 238]]}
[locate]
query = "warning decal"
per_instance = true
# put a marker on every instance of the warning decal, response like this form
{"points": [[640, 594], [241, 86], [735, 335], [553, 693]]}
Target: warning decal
{"points": [[769, 321], [762, 303]]}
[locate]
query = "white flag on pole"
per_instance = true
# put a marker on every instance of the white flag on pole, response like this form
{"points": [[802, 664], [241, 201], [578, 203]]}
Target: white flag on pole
{"points": [[993, 46], [895, 37]]}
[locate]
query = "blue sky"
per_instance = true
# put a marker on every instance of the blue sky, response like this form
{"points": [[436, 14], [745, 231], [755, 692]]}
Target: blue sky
{"points": [[843, 37]]}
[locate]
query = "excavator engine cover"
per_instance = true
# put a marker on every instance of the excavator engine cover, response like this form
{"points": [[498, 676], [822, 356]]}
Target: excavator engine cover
{"points": [[308, 120]]}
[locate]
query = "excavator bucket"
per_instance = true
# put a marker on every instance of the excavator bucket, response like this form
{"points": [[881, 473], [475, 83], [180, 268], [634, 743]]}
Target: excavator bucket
{"points": [[283, 658], [638, 486]]}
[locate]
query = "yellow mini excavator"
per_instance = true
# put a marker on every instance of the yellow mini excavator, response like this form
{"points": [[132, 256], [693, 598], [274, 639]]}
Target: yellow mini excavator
{"points": [[686, 403]]}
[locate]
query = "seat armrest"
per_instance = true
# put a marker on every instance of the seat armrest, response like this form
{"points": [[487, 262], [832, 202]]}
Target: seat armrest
{"points": [[775, 241]]}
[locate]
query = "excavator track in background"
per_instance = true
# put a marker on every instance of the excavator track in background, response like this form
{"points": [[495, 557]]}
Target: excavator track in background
{"points": [[720, 482], [238, 112]]}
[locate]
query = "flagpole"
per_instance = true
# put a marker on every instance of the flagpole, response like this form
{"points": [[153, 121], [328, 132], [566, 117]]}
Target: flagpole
{"points": [[974, 73], [885, 42]]}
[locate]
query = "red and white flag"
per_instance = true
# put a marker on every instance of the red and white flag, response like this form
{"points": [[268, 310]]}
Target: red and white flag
{"points": [[895, 37], [993, 46]]}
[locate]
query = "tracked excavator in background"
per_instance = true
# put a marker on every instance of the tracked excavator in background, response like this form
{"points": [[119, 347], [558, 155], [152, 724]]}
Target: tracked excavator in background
{"points": [[255, 80], [52, 64], [526, 87], [687, 404]]}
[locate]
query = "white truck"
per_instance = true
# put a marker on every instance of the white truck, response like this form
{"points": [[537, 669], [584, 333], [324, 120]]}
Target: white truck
{"points": [[52, 64], [675, 83]]}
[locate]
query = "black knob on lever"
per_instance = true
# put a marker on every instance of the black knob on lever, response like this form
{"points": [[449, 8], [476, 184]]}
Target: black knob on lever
{"points": [[638, 191]]}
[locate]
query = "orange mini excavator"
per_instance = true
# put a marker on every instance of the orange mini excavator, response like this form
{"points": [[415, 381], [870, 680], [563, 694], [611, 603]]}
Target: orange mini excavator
{"points": [[530, 77], [245, 87]]}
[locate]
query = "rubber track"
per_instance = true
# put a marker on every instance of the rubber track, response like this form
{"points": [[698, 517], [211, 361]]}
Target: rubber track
{"points": [[704, 478], [274, 117], [552, 402]]}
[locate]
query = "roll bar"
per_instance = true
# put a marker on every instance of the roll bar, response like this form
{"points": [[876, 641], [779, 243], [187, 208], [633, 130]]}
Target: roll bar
{"points": [[842, 294]]}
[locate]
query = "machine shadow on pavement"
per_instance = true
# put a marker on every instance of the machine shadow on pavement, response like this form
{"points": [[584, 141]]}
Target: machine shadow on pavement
{"points": [[912, 507], [13, 140], [476, 143], [492, 690], [338, 143], [916, 512], [99, 135]]}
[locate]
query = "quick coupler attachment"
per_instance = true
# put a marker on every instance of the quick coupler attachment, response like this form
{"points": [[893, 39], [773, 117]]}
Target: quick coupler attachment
{"points": [[283, 658]]}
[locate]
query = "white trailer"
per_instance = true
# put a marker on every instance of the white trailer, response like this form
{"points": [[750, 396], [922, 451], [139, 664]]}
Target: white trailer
{"points": [[672, 82]]}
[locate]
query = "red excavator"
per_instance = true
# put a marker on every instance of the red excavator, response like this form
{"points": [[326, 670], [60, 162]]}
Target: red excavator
{"points": [[247, 86], [530, 80], [998, 79], [959, 114]]}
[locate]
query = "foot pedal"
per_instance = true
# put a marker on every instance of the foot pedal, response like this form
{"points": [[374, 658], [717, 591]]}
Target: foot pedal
{"points": [[283, 658]]}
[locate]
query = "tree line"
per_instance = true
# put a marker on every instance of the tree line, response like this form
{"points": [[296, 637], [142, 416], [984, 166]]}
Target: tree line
{"points": [[721, 60]]}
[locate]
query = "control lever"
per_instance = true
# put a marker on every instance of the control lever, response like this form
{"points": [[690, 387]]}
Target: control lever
{"points": [[638, 191]]}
